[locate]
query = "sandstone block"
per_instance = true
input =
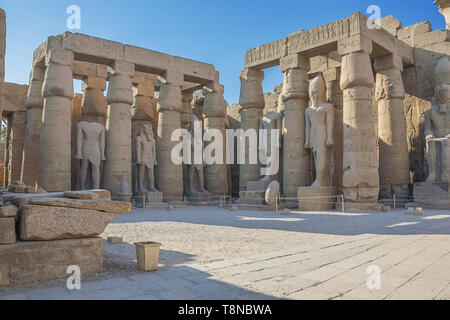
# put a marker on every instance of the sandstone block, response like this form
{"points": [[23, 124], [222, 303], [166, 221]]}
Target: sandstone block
{"points": [[55, 223], [108, 206], [8, 211], [415, 29], [88, 194], [28, 262], [61, 57], [316, 198], [115, 239], [7, 230]]}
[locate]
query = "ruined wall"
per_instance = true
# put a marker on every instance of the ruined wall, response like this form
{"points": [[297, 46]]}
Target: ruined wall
{"points": [[419, 83]]}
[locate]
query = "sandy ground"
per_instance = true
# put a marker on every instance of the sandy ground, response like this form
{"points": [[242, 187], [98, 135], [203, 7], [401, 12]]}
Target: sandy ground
{"points": [[202, 235]]}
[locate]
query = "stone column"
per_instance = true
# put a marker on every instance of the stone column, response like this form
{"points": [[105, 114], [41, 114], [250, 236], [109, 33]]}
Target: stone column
{"points": [[252, 103], [94, 102], [118, 128], [360, 163], [392, 141], [334, 95], [169, 176], [186, 98], [34, 106], [296, 159], [143, 110], [15, 148], [76, 111], [54, 151], [2, 54], [214, 111]]}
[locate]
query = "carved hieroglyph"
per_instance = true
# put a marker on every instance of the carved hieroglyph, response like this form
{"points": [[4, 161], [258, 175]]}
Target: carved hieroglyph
{"points": [[91, 152], [319, 133], [146, 159], [437, 126]]}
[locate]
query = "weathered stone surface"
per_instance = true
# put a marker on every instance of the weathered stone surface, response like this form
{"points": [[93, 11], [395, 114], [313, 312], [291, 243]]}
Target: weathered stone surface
{"points": [[115, 207], [99, 194], [7, 230], [316, 198], [21, 199], [55, 223], [8, 211], [28, 262]]}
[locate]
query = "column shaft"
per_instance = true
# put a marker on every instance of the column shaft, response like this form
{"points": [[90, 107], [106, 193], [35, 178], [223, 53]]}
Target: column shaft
{"points": [[169, 176], [118, 128], [54, 167], [296, 159], [15, 148], [214, 111], [360, 178], [252, 102], [34, 106]]}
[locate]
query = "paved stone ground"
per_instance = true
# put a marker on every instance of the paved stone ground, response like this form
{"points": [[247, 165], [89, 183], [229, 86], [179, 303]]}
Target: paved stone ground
{"points": [[412, 254]]}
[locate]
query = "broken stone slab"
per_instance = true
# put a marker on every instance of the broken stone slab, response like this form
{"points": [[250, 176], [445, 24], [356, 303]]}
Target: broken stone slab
{"points": [[56, 223], [7, 230], [115, 207], [98, 194], [24, 263], [9, 211], [20, 200]]}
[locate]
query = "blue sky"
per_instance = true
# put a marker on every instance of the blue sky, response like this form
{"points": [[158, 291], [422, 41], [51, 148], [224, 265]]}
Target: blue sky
{"points": [[215, 31]]}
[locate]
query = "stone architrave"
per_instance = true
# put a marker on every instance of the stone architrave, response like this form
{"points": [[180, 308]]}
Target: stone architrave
{"points": [[54, 164], [94, 101], [169, 175], [34, 104], [118, 128], [91, 153], [360, 177], [392, 141], [252, 103], [296, 159], [214, 117]]}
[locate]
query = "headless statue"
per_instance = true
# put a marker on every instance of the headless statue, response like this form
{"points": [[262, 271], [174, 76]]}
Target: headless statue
{"points": [[270, 121], [90, 152], [319, 132], [437, 126], [146, 159], [195, 170]]}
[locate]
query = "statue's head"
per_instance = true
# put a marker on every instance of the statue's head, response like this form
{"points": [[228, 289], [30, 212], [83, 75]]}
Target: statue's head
{"points": [[147, 131], [317, 90]]}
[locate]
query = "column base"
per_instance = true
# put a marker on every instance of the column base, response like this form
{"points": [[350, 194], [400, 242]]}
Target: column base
{"points": [[432, 195], [316, 198], [252, 197], [143, 199], [360, 207]]}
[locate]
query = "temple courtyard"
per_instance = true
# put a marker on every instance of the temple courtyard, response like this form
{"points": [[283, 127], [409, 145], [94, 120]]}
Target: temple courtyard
{"points": [[215, 253]]}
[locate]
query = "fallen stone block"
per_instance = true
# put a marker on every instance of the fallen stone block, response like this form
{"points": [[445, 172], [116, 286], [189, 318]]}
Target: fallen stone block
{"points": [[115, 239], [20, 200], [24, 263], [116, 207], [415, 211], [55, 223], [88, 194], [9, 211], [7, 230]]}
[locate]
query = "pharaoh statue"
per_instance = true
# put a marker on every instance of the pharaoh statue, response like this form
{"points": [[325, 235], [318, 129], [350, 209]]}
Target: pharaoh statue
{"points": [[146, 160], [437, 126], [90, 153], [269, 143], [319, 118], [195, 178]]}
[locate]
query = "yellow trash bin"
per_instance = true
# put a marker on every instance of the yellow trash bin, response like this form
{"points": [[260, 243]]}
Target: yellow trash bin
{"points": [[147, 254]]}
